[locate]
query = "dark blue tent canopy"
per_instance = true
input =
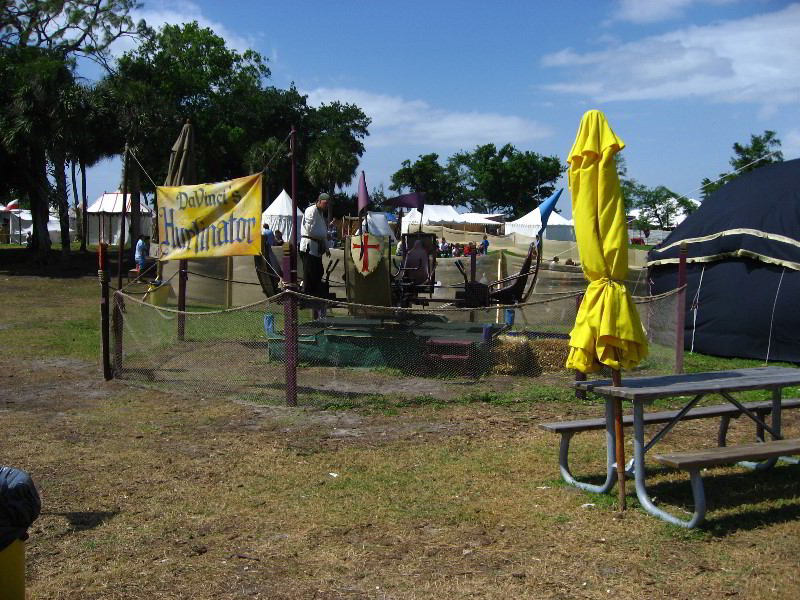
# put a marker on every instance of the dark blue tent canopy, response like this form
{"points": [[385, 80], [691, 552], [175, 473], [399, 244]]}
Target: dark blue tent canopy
{"points": [[743, 267]]}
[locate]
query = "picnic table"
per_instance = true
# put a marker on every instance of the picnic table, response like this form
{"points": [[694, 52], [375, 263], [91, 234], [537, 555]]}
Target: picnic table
{"points": [[643, 391]]}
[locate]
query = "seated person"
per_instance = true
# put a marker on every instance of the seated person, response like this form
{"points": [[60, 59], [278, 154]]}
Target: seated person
{"points": [[417, 264], [443, 247], [467, 249], [278, 238]]}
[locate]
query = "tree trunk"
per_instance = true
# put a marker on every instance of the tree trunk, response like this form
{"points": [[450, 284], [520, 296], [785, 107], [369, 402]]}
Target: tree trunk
{"points": [[84, 215], [78, 211], [40, 204], [60, 164], [136, 202]]}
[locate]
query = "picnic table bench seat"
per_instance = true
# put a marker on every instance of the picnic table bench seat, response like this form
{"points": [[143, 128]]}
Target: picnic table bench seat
{"points": [[726, 412], [729, 455], [696, 460], [703, 412]]}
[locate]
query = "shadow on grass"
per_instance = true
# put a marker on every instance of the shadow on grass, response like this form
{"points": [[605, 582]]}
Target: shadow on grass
{"points": [[24, 262], [731, 490], [85, 520]]}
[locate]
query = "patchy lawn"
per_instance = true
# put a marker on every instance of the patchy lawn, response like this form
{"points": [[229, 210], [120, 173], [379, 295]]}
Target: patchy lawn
{"points": [[153, 494]]}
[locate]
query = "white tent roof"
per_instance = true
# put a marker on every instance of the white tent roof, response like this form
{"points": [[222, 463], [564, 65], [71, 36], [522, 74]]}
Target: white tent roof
{"points": [[433, 214], [481, 218], [379, 225], [111, 203], [278, 215], [280, 207]]}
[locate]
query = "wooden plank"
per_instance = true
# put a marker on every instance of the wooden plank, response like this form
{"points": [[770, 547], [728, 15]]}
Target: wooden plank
{"points": [[729, 454], [668, 386], [703, 412]]}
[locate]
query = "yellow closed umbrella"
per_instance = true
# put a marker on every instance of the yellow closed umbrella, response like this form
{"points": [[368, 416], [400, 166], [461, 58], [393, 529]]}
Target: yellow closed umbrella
{"points": [[607, 328]]}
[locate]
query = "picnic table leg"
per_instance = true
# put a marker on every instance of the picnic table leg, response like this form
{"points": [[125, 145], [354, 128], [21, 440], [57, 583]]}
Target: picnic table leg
{"points": [[619, 441], [776, 426], [611, 476], [641, 490]]}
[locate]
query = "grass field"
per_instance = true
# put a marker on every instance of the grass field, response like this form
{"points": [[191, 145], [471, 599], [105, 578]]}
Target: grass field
{"points": [[155, 494]]}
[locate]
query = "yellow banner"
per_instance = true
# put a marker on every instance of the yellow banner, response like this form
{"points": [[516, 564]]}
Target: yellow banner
{"points": [[210, 219]]}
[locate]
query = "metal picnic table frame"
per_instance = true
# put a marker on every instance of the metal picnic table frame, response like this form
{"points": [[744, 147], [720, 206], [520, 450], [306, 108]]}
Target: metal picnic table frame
{"points": [[644, 390]]}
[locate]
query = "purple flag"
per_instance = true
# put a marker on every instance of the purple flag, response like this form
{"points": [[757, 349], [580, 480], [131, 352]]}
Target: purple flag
{"points": [[412, 200], [363, 196]]}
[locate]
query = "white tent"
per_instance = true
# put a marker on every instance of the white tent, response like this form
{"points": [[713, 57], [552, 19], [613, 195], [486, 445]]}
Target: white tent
{"points": [[379, 225], [278, 215], [432, 214], [105, 216], [558, 228], [482, 219], [20, 223]]}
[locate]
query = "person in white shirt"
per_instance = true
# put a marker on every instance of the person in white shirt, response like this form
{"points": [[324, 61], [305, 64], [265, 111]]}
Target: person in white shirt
{"points": [[313, 244]]}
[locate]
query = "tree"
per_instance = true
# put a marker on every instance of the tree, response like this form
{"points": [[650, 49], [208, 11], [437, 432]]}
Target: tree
{"points": [[330, 164], [762, 150], [659, 206], [40, 40], [441, 185], [69, 27], [506, 180], [271, 156]]}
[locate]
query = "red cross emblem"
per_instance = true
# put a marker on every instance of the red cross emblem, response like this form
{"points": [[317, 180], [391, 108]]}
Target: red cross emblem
{"points": [[364, 253]]}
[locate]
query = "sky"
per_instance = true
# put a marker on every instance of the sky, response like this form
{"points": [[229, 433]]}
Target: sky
{"points": [[679, 80]]}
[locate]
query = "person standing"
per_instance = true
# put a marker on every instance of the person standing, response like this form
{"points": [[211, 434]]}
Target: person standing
{"points": [[141, 253], [313, 244], [485, 245], [269, 235]]}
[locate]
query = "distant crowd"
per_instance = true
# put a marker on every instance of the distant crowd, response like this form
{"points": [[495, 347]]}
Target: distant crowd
{"points": [[457, 249]]}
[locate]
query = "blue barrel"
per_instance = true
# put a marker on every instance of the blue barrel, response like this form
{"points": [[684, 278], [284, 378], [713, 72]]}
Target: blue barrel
{"points": [[269, 324], [509, 314]]}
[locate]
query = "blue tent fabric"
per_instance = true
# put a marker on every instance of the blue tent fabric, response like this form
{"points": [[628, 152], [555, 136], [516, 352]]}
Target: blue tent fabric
{"points": [[743, 267]]}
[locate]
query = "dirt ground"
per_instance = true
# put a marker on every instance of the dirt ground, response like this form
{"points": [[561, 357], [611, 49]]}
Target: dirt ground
{"points": [[149, 494]]}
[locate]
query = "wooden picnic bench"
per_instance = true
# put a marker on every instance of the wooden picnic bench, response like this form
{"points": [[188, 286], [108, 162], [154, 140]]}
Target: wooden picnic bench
{"points": [[726, 412], [645, 390]]}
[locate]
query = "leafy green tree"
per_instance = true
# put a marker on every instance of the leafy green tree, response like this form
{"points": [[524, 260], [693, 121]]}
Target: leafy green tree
{"points": [[440, 184], [69, 27], [506, 179], [40, 41], [762, 150], [659, 206], [270, 156]]}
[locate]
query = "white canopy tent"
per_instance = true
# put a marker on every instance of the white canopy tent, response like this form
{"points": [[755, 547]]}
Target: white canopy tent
{"points": [[278, 216], [20, 223], [558, 228], [105, 216], [482, 219], [432, 214], [379, 225]]}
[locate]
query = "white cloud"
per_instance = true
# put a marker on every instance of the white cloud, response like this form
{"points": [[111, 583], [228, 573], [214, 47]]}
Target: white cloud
{"points": [[175, 12], [790, 144], [651, 11], [749, 60], [396, 120]]}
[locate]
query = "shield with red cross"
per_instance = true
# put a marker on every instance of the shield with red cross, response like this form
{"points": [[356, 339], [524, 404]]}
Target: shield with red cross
{"points": [[366, 251]]}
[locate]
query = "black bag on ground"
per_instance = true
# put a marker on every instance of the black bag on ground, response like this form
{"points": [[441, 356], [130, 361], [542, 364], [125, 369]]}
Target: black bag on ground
{"points": [[19, 505]]}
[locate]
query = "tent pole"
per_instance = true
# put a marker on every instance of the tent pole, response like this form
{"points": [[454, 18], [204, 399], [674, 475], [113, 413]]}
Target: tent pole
{"points": [[616, 380], [681, 316], [122, 223], [290, 300]]}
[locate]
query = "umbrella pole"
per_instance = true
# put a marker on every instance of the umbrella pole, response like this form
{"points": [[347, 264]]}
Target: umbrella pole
{"points": [[619, 436]]}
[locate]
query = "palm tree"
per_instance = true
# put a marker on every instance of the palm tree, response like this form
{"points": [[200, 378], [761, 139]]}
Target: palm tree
{"points": [[270, 156], [330, 164]]}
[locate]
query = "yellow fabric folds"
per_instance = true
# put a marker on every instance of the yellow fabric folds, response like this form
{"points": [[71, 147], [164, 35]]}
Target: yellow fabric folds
{"points": [[607, 329]]}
